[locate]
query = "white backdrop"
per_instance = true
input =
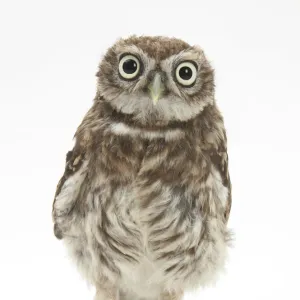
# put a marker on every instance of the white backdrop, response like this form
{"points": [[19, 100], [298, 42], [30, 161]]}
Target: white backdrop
{"points": [[49, 51]]}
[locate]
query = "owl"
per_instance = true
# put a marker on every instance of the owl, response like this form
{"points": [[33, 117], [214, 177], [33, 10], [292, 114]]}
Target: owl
{"points": [[143, 204]]}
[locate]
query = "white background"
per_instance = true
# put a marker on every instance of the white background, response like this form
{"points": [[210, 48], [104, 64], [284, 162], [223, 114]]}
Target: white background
{"points": [[49, 52]]}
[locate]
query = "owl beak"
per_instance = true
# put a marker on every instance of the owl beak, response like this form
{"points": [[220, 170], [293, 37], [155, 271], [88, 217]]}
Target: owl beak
{"points": [[156, 88]]}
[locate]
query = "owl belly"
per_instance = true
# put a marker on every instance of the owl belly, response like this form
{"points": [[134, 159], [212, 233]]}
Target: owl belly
{"points": [[146, 245], [153, 241]]}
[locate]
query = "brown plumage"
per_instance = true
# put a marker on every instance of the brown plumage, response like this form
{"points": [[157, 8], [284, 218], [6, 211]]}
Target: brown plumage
{"points": [[146, 195]]}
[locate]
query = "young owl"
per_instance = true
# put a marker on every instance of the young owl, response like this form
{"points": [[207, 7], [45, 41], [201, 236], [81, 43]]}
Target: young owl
{"points": [[144, 201]]}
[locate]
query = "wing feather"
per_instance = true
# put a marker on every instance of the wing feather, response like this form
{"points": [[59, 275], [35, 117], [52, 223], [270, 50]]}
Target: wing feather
{"points": [[219, 159], [68, 188]]}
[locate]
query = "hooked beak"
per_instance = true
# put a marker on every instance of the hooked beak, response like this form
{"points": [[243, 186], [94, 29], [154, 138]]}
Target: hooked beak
{"points": [[156, 88]]}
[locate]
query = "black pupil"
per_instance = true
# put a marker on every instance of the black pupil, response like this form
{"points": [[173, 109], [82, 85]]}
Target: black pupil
{"points": [[185, 73], [130, 66]]}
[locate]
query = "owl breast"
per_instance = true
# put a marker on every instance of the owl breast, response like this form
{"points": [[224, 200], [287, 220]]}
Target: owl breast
{"points": [[157, 226]]}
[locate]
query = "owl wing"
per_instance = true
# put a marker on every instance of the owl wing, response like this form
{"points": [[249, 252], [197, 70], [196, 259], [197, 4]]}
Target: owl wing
{"points": [[68, 188], [219, 159]]}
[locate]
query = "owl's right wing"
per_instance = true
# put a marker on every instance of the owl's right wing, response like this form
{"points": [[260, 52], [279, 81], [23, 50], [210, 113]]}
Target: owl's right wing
{"points": [[69, 189]]}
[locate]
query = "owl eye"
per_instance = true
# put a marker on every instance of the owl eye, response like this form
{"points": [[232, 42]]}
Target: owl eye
{"points": [[129, 67], [186, 73]]}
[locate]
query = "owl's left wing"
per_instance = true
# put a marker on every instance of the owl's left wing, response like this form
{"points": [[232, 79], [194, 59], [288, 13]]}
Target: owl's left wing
{"points": [[219, 159]]}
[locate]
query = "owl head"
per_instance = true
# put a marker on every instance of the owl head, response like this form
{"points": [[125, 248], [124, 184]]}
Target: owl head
{"points": [[156, 79]]}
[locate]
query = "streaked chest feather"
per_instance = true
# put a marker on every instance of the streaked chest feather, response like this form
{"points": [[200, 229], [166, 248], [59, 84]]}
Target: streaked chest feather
{"points": [[151, 233]]}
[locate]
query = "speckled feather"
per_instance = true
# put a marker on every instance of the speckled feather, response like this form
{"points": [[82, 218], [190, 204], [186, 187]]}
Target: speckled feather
{"points": [[144, 201]]}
